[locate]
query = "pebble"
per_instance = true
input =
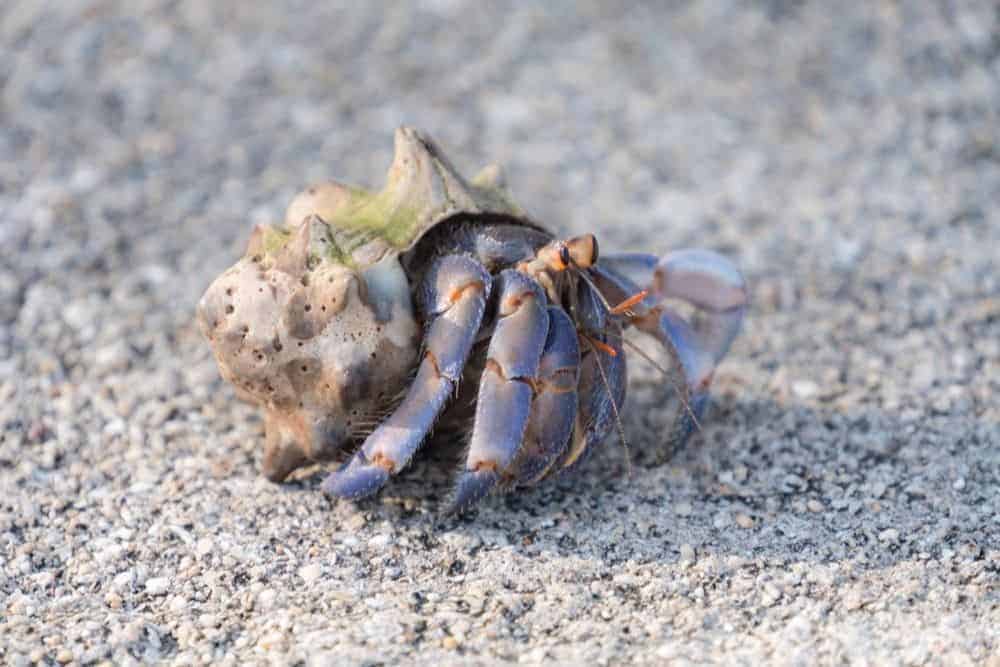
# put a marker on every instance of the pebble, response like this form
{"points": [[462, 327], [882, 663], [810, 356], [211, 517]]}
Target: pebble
{"points": [[805, 389], [380, 542], [271, 641], [889, 535], [157, 585], [311, 573], [208, 621]]}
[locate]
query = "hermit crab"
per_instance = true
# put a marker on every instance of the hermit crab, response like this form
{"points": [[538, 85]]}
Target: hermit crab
{"points": [[368, 319]]}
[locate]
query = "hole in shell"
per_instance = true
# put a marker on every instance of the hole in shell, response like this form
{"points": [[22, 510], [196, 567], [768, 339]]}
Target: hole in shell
{"points": [[230, 309]]}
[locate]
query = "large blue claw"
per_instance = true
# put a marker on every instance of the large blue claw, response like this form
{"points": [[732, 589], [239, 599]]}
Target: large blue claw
{"points": [[356, 480], [473, 485]]}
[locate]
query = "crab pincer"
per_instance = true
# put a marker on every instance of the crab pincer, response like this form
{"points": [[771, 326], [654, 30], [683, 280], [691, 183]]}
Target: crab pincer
{"points": [[715, 287]]}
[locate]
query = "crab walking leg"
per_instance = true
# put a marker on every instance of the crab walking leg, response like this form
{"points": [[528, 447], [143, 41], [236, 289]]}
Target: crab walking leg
{"points": [[505, 390], [553, 411], [454, 297], [603, 381], [711, 283]]}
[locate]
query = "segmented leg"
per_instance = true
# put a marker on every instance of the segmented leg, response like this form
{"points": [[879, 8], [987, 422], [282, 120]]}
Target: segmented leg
{"points": [[454, 300], [553, 412], [603, 380], [706, 280], [505, 390]]}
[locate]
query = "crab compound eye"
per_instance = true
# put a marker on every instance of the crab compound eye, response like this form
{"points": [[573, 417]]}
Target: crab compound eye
{"points": [[564, 256]]}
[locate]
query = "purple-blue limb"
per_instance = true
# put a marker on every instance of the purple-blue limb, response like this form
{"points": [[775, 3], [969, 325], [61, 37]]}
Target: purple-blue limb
{"points": [[553, 412], [505, 390], [603, 380], [715, 287], [454, 300]]}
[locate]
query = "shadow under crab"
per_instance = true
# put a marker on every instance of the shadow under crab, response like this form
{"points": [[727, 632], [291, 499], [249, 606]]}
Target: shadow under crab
{"points": [[371, 318]]}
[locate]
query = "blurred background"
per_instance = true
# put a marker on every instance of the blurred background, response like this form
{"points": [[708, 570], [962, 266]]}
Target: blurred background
{"points": [[846, 155]]}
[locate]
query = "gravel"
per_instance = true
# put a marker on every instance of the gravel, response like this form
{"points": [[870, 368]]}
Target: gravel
{"points": [[841, 504]]}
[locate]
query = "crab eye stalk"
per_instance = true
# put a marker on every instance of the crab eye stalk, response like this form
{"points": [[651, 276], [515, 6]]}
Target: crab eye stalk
{"points": [[582, 250]]}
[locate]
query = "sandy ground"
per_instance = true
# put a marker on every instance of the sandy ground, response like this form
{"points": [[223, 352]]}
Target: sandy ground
{"points": [[841, 504]]}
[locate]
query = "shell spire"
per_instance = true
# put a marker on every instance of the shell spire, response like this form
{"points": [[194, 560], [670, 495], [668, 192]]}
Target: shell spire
{"points": [[422, 188]]}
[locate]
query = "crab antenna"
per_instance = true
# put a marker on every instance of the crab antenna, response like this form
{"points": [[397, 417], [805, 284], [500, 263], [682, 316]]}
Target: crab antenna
{"points": [[614, 405]]}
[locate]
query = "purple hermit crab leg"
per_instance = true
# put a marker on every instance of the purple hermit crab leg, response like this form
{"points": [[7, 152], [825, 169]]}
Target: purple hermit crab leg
{"points": [[603, 380], [455, 295], [505, 390], [553, 412]]}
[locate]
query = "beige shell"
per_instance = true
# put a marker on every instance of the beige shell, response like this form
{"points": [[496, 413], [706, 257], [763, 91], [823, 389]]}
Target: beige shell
{"points": [[315, 323]]}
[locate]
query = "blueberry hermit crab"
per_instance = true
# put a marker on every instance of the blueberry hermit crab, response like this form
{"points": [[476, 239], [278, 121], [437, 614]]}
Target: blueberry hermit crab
{"points": [[369, 318]]}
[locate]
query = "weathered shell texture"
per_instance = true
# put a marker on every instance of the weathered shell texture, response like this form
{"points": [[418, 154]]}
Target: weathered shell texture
{"points": [[315, 323]]}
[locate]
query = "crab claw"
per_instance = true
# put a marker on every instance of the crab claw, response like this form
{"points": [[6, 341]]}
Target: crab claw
{"points": [[357, 479], [706, 280]]}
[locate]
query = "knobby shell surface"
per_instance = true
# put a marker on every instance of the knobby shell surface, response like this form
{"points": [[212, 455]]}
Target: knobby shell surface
{"points": [[318, 311]]}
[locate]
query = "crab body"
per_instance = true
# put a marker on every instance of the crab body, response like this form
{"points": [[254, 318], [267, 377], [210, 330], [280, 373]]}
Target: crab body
{"points": [[369, 318]]}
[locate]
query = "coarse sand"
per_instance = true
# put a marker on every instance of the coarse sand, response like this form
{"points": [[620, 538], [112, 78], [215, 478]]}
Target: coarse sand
{"points": [[842, 503]]}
